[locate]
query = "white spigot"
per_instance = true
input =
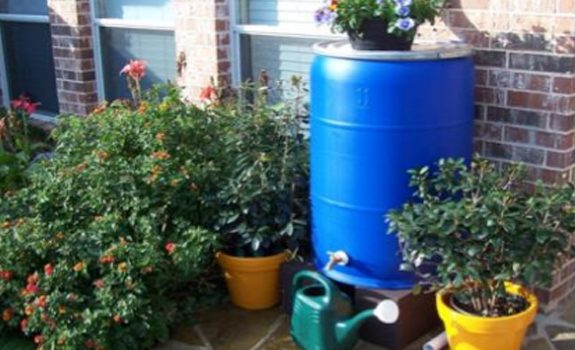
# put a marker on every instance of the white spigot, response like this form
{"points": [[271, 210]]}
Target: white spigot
{"points": [[337, 258]]}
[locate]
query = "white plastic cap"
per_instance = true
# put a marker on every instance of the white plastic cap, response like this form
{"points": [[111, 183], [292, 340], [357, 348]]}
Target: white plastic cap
{"points": [[387, 311]]}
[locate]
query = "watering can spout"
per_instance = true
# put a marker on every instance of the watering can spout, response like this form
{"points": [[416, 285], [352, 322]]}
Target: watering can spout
{"points": [[347, 330], [387, 312]]}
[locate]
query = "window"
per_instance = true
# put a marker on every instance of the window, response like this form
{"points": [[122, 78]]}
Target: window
{"points": [[133, 29], [275, 36], [26, 61]]}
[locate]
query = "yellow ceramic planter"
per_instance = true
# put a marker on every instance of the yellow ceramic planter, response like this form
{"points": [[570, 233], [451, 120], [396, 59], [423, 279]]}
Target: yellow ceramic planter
{"points": [[469, 332], [253, 283]]}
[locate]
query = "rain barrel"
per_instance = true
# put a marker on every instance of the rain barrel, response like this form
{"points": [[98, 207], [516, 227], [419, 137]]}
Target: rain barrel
{"points": [[374, 116]]}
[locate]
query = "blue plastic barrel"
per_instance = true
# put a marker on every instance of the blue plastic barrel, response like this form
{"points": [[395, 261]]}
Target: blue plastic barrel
{"points": [[374, 116]]}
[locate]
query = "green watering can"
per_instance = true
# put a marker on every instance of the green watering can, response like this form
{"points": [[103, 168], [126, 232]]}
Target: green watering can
{"points": [[322, 317]]}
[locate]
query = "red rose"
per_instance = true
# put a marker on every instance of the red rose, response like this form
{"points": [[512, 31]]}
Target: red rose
{"points": [[33, 278], [135, 69], [170, 247], [208, 93], [41, 301], [6, 275]]}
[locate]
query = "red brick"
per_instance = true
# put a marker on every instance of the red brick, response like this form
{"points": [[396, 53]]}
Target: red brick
{"points": [[564, 85], [519, 135], [554, 140]]}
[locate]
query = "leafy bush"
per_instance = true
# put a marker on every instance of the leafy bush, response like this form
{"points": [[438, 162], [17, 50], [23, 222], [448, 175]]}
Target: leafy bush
{"points": [[476, 228], [264, 202], [105, 247]]}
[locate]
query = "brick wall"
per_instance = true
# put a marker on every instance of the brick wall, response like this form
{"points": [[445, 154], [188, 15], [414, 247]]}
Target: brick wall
{"points": [[202, 44], [525, 59], [73, 55]]}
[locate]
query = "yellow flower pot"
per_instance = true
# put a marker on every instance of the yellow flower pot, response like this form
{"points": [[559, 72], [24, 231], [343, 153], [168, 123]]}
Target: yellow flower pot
{"points": [[470, 332], [253, 283]]}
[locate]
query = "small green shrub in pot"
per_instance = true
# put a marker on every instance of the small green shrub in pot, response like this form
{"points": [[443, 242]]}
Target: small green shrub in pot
{"points": [[107, 246], [264, 202], [472, 229]]}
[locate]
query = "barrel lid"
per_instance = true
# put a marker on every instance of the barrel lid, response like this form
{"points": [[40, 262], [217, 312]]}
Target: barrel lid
{"points": [[421, 50]]}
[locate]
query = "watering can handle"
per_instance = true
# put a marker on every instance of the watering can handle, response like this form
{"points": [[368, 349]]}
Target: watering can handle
{"points": [[312, 275]]}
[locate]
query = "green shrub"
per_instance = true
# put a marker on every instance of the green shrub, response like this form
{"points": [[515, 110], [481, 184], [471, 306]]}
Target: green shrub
{"points": [[107, 245], [473, 228], [263, 203]]}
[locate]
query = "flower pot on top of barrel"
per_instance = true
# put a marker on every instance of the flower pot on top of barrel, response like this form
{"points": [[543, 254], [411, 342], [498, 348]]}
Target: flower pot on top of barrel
{"points": [[478, 236], [263, 207], [385, 25]]}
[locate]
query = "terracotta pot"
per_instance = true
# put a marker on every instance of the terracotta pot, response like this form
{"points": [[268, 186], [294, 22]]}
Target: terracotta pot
{"points": [[253, 283], [470, 332], [374, 36]]}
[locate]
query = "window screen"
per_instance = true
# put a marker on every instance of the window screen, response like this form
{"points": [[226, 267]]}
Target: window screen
{"points": [[279, 12], [24, 7], [29, 63], [159, 11], [119, 46], [281, 58]]}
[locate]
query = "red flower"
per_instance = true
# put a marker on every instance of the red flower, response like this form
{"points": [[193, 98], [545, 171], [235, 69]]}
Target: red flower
{"points": [[118, 318], [170, 247], [107, 259], [48, 270], [208, 93], [38, 339], [6, 275], [24, 324], [23, 103], [31, 288], [135, 69]]}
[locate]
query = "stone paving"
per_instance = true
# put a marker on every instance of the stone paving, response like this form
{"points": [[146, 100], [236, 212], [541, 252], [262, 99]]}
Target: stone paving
{"points": [[230, 328]]}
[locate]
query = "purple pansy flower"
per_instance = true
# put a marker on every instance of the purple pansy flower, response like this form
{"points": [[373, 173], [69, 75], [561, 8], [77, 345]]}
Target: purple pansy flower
{"points": [[324, 16], [402, 11], [405, 24]]}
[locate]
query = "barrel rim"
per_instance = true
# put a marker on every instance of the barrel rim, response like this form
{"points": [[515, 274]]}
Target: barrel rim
{"points": [[422, 50]]}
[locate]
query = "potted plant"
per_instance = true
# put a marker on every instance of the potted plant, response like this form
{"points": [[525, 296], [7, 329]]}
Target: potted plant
{"points": [[263, 204], [379, 24], [481, 238]]}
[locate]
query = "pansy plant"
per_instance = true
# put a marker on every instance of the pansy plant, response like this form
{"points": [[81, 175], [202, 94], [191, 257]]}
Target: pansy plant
{"points": [[402, 16]]}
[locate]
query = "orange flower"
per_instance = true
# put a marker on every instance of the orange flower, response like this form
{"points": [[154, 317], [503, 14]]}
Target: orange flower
{"points": [[80, 167], [28, 310], [117, 318], [41, 301], [102, 155], [142, 108], [33, 278], [7, 315], [160, 137], [161, 155], [107, 259], [79, 266]]}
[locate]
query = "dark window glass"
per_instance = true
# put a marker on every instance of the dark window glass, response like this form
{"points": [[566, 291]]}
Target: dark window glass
{"points": [[30, 64], [119, 46], [24, 7]]}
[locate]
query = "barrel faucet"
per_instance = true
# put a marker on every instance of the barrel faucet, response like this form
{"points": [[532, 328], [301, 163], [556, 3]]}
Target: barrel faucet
{"points": [[336, 258]]}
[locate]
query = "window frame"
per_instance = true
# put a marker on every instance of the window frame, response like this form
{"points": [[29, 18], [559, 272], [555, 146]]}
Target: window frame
{"points": [[18, 18], [237, 29], [99, 23]]}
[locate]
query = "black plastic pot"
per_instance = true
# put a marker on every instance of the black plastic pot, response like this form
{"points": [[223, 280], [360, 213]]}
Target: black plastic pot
{"points": [[374, 36]]}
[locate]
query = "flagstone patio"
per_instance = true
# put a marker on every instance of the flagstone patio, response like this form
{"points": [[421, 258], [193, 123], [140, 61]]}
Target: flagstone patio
{"points": [[230, 328]]}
